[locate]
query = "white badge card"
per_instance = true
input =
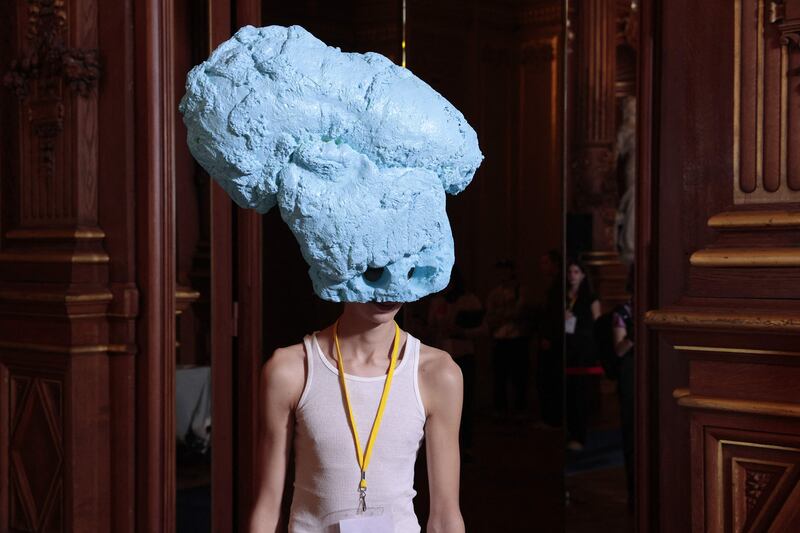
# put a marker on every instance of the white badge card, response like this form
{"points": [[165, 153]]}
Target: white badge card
{"points": [[569, 324], [381, 523]]}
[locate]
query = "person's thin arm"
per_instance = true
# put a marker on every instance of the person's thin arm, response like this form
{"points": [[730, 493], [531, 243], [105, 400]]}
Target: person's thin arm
{"points": [[621, 341], [443, 396], [596, 309], [278, 394]]}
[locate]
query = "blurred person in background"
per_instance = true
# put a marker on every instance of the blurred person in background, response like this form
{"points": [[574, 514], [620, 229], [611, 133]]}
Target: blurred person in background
{"points": [[582, 309], [508, 319], [456, 319]]}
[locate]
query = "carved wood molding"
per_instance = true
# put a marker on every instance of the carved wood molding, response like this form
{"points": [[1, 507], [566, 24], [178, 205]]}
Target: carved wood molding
{"points": [[755, 220], [788, 26], [55, 75], [747, 478], [746, 257], [765, 133], [50, 234], [54, 271], [48, 57], [36, 453], [685, 398], [591, 153], [753, 484], [12, 295], [714, 319], [71, 349], [55, 257], [628, 23], [731, 350], [185, 297]]}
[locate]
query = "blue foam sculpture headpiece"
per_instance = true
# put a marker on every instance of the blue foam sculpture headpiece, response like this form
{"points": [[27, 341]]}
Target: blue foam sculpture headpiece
{"points": [[356, 151]]}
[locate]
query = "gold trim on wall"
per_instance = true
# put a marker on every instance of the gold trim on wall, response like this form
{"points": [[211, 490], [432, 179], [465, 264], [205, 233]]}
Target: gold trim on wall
{"points": [[755, 219], [726, 320], [33, 296], [713, 403], [54, 257], [680, 393], [122, 348], [55, 234], [746, 257], [52, 348], [750, 444], [599, 254], [741, 351], [188, 295], [737, 97], [603, 262]]}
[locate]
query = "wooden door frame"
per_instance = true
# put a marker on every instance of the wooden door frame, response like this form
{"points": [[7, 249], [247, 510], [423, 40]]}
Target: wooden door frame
{"points": [[155, 479], [222, 318], [646, 294], [155, 363], [249, 354]]}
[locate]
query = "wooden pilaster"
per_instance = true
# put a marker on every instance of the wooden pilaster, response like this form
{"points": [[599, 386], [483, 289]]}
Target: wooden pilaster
{"points": [[54, 273], [592, 163]]}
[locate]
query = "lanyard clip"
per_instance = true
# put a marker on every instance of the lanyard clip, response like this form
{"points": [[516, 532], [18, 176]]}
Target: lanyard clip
{"points": [[362, 493], [362, 500]]}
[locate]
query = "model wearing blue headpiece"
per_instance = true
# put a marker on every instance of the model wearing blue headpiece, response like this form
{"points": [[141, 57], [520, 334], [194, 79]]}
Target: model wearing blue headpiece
{"points": [[358, 154]]}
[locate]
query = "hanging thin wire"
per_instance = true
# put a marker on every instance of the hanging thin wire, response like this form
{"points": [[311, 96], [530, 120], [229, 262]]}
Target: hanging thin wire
{"points": [[403, 42]]}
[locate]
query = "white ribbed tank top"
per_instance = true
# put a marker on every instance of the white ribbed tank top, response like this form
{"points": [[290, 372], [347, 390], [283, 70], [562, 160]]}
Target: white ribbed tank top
{"points": [[326, 468]]}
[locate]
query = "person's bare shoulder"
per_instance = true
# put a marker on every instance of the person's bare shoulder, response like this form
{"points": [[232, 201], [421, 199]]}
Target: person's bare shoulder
{"points": [[439, 376], [283, 376]]}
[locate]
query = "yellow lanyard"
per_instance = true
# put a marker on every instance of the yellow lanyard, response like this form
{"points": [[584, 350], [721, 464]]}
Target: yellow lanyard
{"points": [[363, 458], [572, 300]]}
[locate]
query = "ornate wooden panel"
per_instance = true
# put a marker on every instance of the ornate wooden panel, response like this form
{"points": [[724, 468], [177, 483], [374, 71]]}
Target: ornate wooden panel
{"points": [[592, 134], [766, 104], [750, 479], [37, 454], [49, 67], [54, 272], [720, 250]]}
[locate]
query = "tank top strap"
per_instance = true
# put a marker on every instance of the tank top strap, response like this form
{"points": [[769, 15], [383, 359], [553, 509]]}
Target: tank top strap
{"points": [[413, 353], [308, 346]]}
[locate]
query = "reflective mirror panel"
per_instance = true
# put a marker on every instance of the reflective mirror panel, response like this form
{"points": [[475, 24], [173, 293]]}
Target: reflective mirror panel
{"points": [[602, 49], [502, 65]]}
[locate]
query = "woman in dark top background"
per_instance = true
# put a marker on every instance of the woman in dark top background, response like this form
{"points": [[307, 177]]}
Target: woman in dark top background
{"points": [[582, 309]]}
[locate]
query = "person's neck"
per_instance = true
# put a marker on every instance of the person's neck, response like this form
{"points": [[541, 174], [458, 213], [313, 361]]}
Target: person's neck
{"points": [[364, 342], [573, 290]]}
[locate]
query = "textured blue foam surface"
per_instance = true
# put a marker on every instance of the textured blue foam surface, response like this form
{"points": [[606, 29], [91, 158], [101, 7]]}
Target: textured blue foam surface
{"points": [[357, 153]]}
